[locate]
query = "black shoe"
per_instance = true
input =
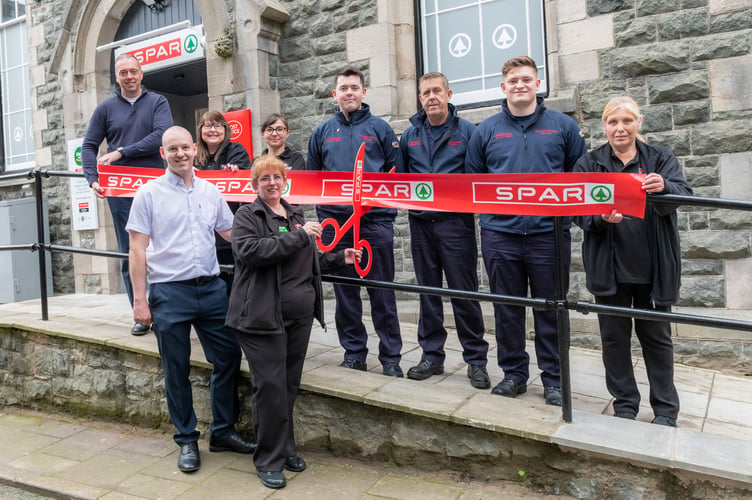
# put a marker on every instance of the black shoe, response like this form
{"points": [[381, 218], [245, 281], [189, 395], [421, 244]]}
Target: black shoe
{"points": [[354, 364], [664, 420], [393, 370], [138, 329], [295, 464], [189, 459], [233, 442], [552, 395], [509, 388], [478, 376], [273, 480], [424, 370], [625, 414]]}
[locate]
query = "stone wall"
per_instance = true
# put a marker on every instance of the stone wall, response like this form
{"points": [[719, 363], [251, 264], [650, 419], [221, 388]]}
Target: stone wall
{"points": [[687, 64]]}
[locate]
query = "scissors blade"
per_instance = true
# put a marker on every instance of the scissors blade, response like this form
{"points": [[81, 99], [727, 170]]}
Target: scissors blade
{"points": [[358, 175]]}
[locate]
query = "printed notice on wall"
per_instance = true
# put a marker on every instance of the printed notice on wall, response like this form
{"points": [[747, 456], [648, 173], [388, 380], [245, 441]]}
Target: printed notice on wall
{"points": [[83, 200]]}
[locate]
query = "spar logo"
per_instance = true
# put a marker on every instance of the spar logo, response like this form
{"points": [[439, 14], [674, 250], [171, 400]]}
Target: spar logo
{"points": [[168, 49], [601, 193], [565, 194], [424, 191], [381, 190], [236, 129], [190, 44]]}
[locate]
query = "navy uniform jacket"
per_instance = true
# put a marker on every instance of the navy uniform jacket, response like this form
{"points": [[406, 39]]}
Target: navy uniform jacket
{"points": [[549, 142], [447, 155], [334, 145]]}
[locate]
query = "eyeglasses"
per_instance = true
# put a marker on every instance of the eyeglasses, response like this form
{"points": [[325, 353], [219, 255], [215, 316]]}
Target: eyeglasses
{"points": [[272, 131], [212, 126]]}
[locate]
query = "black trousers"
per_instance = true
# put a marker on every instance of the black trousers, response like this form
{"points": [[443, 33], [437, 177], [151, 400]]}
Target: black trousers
{"points": [[276, 364], [657, 351]]}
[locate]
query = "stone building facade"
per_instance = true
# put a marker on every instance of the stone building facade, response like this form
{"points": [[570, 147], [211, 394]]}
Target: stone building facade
{"points": [[687, 62]]}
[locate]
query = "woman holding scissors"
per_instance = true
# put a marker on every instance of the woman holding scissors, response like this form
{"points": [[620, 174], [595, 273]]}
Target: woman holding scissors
{"points": [[631, 262], [275, 297]]}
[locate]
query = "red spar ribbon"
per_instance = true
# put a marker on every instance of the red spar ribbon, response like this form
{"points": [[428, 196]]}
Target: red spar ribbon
{"points": [[521, 194]]}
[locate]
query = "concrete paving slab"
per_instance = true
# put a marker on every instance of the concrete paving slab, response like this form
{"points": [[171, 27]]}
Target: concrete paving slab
{"points": [[591, 404], [61, 488], [42, 463], [340, 479], [407, 488], [731, 387], [720, 456], [166, 467], [617, 437], [510, 416], [727, 429], [244, 486], [106, 470], [731, 411], [22, 443], [149, 446], [342, 382], [399, 395]]}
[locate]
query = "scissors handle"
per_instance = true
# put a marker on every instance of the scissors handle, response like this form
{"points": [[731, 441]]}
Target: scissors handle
{"points": [[338, 233], [366, 247]]}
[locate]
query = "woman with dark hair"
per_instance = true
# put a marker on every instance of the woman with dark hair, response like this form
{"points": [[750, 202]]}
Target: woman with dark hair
{"points": [[214, 151], [635, 262], [276, 130]]}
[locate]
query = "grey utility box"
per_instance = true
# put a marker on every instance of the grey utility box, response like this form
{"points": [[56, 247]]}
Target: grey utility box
{"points": [[19, 269]]}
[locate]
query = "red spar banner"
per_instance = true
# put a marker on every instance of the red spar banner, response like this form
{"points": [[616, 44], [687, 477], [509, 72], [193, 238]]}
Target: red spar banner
{"points": [[521, 194]]}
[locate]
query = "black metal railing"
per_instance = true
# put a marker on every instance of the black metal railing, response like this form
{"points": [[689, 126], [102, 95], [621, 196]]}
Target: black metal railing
{"points": [[560, 304]]}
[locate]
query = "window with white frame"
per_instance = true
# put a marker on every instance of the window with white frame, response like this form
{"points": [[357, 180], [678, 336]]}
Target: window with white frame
{"points": [[17, 148], [469, 41]]}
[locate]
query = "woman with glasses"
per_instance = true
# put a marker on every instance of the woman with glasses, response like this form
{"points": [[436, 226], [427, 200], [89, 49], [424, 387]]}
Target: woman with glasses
{"points": [[216, 152], [276, 297], [276, 131]]}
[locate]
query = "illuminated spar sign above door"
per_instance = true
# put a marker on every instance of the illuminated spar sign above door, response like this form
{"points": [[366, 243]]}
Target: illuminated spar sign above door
{"points": [[469, 41], [163, 51]]}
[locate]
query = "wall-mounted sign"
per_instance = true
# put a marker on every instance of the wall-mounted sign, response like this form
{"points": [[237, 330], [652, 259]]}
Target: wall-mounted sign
{"points": [[163, 51], [83, 199]]}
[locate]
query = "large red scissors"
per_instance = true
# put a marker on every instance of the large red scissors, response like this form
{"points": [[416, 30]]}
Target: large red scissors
{"points": [[354, 221]]}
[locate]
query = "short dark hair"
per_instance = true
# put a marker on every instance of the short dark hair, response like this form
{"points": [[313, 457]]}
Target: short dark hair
{"points": [[349, 71], [433, 75], [273, 118], [518, 62]]}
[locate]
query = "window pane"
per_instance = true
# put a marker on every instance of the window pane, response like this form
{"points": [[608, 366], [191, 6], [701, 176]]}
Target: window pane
{"points": [[9, 9], [469, 41], [18, 133]]}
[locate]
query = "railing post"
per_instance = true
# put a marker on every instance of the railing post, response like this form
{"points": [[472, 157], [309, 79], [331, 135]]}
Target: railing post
{"points": [[42, 245], [562, 320]]}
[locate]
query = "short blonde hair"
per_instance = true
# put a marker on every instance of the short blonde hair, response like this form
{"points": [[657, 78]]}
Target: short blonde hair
{"points": [[265, 163], [623, 102]]}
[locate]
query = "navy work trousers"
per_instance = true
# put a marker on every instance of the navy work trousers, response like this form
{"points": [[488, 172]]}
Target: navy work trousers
{"points": [[175, 307], [513, 261], [447, 247], [349, 309], [120, 208]]}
